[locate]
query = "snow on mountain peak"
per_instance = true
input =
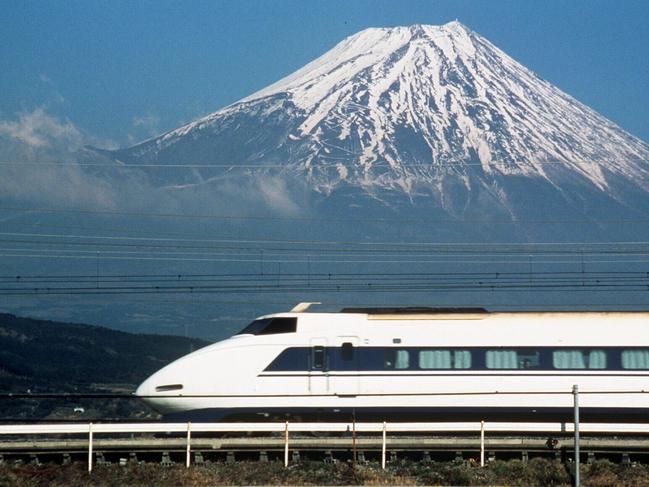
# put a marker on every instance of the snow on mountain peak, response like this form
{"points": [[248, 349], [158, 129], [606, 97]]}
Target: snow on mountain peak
{"points": [[403, 108], [361, 51]]}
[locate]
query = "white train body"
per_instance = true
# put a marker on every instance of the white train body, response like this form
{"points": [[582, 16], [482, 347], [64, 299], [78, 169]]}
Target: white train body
{"points": [[432, 365]]}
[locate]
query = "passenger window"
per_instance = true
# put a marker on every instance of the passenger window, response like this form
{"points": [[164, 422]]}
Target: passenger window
{"points": [[462, 359], [444, 359], [396, 359], [635, 359], [579, 359], [318, 357], [529, 359], [435, 359], [513, 359], [502, 359], [347, 352], [597, 359], [403, 359]]}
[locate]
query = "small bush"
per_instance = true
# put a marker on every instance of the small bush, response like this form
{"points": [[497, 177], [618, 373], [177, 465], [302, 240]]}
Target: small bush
{"points": [[604, 473], [536, 472]]}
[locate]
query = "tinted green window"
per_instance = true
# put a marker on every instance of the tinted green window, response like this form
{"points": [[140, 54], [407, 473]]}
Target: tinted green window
{"points": [[579, 359], [462, 359], [513, 359], [635, 359], [444, 359]]}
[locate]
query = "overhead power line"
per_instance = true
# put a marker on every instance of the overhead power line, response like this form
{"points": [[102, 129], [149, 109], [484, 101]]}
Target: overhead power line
{"points": [[214, 216], [319, 289], [95, 256], [256, 276], [451, 247], [135, 234], [314, 256], [345, 161], [367, 283], [313, 251], [523, 305]]}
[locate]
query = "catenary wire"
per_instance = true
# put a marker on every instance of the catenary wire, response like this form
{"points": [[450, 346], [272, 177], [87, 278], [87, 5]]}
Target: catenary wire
{"points": [[524, 247], [261, 260], [317, 219], [334, 165]]}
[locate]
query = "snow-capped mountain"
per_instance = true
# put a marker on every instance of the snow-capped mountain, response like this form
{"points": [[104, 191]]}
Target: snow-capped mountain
{"points": [[435, 112]]}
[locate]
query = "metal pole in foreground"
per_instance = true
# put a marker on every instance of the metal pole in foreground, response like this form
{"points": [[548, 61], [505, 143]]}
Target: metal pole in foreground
{"points": [[89, 447], [383, 447], [189, 443], [354, 444], [575, 393], [286, 444], [482, 443]]}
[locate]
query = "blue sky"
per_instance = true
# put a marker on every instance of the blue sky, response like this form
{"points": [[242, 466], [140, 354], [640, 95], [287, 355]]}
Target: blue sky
{"points": [[124, 70]]}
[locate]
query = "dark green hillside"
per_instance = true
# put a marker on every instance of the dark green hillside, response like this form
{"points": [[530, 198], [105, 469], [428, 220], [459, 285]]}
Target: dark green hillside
{"points": [[40, 356]]}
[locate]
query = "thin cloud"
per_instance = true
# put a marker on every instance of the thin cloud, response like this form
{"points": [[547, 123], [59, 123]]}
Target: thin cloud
{"points": [[149, 124], [38, 129], [38, 136]]}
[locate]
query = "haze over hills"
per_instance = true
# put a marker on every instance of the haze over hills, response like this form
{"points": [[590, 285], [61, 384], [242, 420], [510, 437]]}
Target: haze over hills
{"points": [[420, 117]]}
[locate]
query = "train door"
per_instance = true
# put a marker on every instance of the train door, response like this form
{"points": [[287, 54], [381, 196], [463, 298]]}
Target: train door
{"points": [[318, 366], [346, 359]]}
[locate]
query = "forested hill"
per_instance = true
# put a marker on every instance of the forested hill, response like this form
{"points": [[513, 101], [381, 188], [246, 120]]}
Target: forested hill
{"points": [[39, 355]]}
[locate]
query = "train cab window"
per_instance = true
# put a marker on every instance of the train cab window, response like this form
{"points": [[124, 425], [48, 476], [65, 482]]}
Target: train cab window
{"points": [[270, 326], [513, 359], [396, 359], [635, 359], [579, 359], [347, 351], [444, 359], [291, 359], [318, 357]]}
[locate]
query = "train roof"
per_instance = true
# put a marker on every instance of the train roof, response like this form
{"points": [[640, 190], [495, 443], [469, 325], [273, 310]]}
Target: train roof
{"points": [[453, 313], [469, 310], [413, 310]]}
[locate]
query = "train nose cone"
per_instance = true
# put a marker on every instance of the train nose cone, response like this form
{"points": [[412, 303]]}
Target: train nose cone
{"points": [[145, 391], [159, 392]]}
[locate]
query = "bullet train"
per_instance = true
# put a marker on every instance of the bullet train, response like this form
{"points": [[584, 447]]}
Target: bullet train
{"points": [[414, 364]]}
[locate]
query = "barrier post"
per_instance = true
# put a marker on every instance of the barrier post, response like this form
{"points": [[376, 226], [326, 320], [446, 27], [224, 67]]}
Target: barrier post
{"points": [[89, 447], [482, 443], [354, 443], [189, 445], [383, 446], [285, 444], [575, 394]]}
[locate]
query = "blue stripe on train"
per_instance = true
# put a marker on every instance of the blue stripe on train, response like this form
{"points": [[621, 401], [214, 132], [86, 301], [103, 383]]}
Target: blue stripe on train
{"points": [[407, 414]]}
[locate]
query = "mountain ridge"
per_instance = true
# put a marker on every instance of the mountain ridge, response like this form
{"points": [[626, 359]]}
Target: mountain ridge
{"points": [[86, 354], [44, 356], [427, 112]]}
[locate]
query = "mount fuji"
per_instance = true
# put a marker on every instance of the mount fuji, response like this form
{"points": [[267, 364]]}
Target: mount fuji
{"points": [[434, 118]]}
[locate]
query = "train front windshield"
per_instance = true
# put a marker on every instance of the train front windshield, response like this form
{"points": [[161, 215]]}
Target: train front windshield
{"points": [[270, 326]]}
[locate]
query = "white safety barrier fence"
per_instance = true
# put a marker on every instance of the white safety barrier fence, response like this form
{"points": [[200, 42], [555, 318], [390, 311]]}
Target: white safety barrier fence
{"points": [[286, 428]]}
